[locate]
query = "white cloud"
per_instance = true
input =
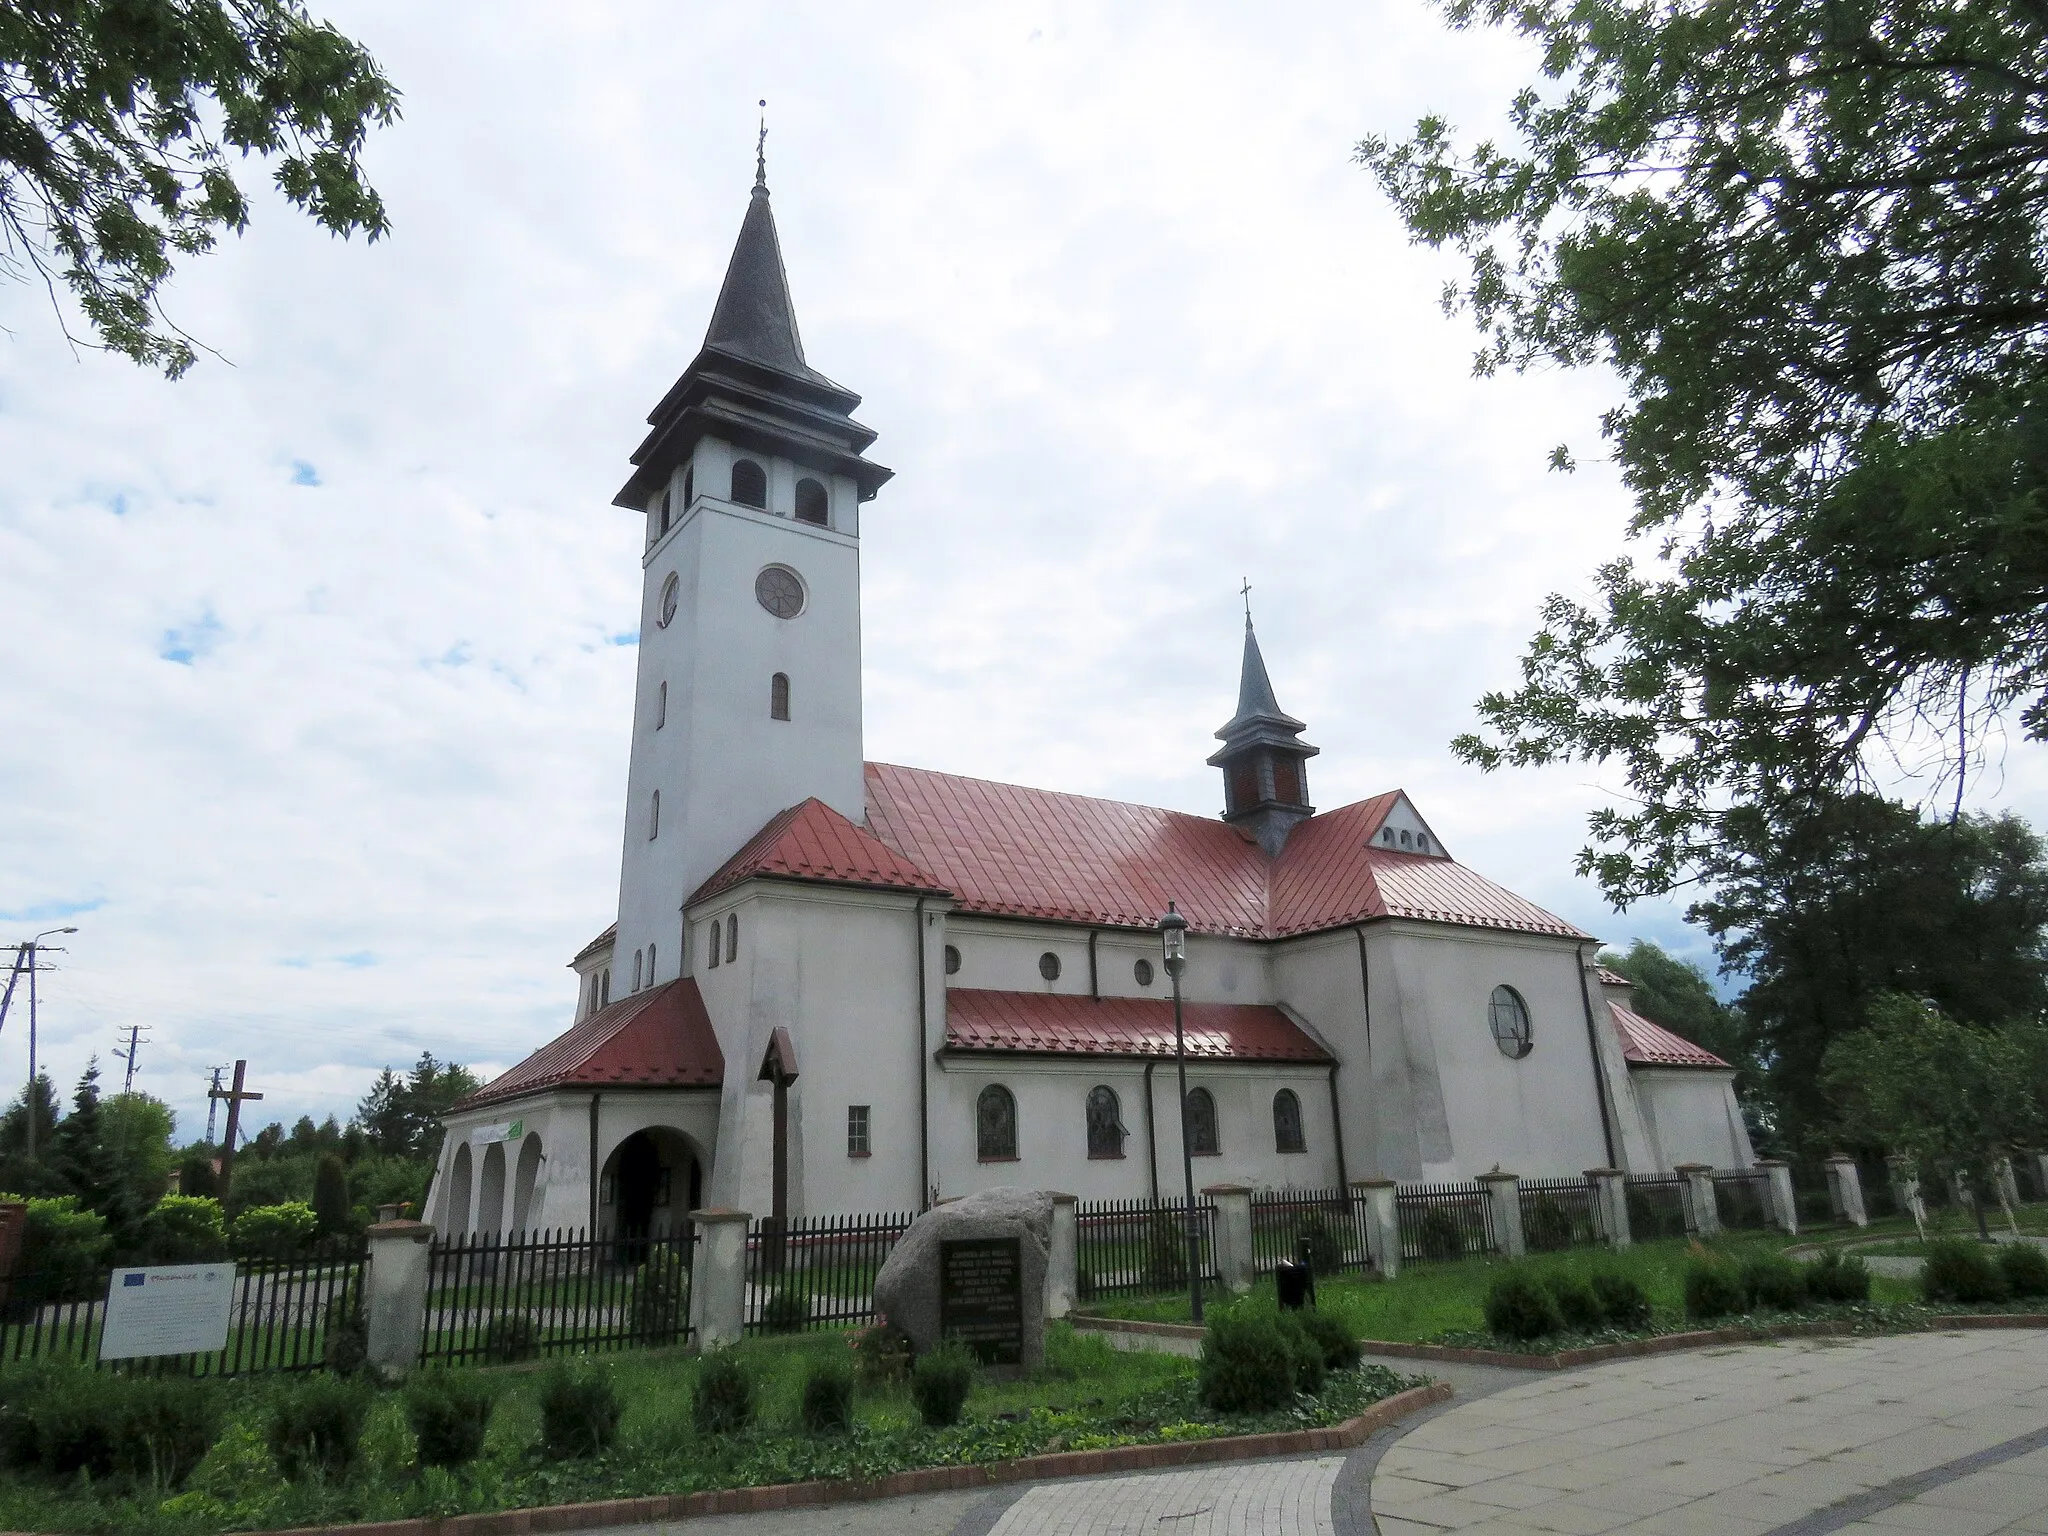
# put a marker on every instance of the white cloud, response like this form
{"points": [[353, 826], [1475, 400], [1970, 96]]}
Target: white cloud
{"points": [[320, 660]]}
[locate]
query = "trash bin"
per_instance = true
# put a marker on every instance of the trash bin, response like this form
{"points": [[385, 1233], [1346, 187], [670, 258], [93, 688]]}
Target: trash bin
{"points": [[1296, 1284]]}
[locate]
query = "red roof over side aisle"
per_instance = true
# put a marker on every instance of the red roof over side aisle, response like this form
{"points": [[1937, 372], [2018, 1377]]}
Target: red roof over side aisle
{"points": [[658, 1038], [1647, 1044], [1063, 1024]]}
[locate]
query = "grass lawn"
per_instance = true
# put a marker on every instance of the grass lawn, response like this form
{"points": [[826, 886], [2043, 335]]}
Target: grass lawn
{"points": [[1088, 1395], [1428, 1301]]}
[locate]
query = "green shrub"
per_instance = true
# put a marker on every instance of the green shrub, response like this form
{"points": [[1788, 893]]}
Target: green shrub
{"points": [[940, 1382], [2025, 1267], [1577, 1307], [273, 1231], [510, 1337], [316, 1426], [788, 1310], [1547, 1226], [1166, 1252], [1333, 1336], [1438, 1235], [1622, 1302], [181, 1229], [1518, 1307], [1318, 1239], [724, 1400], [333, 1211], [64, 1252], [1304, 1354], [1246, 1365], [1958, 1270], [1711, 1291], [884, 1352], [1836, 1276], [580, 1411], [828, 1398], [153, 1429], [661, 1297], [449, 1412], [345, 1343], [1772, 1282]]}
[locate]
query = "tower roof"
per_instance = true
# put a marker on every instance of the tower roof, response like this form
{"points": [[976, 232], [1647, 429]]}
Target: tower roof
{"points": [[749, 383], [1259, 721]]}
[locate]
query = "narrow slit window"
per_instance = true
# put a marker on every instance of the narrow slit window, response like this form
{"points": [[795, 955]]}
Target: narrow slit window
{"points": [[717, 944], [661, 707], [778, 696], [732, 936], [650, 965], [654, 818], [636, 970]]}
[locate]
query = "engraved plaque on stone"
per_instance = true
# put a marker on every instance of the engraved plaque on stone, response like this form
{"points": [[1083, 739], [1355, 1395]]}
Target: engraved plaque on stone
{"points": [[981, 1297]]}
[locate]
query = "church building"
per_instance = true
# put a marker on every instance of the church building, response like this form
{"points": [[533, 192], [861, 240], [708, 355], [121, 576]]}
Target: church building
{"points": [[878, 986]]}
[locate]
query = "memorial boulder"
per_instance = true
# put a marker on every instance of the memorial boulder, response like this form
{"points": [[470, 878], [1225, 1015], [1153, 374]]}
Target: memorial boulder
{"points": [[974, 1269]]}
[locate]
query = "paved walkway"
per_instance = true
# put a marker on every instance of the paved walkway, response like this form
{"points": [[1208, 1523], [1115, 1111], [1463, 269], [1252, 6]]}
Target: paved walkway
{"points": [[1928, 1432]]}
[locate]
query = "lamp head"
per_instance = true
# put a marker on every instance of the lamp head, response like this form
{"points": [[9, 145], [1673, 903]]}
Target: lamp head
{"points": [[1173, 940]]}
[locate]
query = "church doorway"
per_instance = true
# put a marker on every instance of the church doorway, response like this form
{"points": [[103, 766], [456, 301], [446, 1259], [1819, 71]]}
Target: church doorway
{"points": [[652, 1181]]}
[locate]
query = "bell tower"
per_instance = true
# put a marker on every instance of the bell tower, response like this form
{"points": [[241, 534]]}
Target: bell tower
{"points": [[751, 480], [1263, 758]]}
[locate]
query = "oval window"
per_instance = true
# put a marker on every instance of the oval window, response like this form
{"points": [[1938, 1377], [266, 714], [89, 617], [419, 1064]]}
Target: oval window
{"points": [[1142, 973], [780, 590], [1049, 966], [1509, 1016], [952, 960], [671, 594]]}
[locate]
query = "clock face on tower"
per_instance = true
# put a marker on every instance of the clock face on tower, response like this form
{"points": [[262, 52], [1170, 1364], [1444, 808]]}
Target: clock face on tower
{"points": [[780, 590]]}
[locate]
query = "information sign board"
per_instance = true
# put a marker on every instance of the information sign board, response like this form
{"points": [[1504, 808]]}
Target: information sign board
{"points": [[981, 1297], [167, 1309]]}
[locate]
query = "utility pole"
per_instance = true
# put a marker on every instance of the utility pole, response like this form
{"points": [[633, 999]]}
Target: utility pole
{"points": [[234, 1096], [25, 960], [129, 1056], [212, 1103]]}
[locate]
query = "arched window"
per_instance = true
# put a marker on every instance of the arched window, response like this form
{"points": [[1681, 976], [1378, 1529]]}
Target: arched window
{"points": [[1105, 1123], [654, 818], [1049, 966], [1422, 841], [1202, 1138], [1386, 834], [749, 484], [650, 965], [661, 707], [1142, 973], [778, 696], [1406, 840], [716, 946], [1287, 781], [664, 514], [689, 486], [995, 1125], [812, 505], [636, 970], [732, 936], [952, 960], [605, 990], [1287, 1135], [1509, 1016]]}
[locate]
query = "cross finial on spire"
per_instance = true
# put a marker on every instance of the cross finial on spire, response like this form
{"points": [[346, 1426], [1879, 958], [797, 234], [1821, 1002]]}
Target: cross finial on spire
{"points": [[761, 150], [1246, 593]]}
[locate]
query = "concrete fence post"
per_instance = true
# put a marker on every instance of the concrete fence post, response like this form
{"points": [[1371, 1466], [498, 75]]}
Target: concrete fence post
{"points": [[1382, 1224], [1706, 1209], [1235, 1262], [1504, 1190], [395, 1295], [1906, 1187], [1063, 1262], [1784, 1209], [2041, 1173], [1846, 1181], [1610, 1203], [2008, 1183], [718, 1278]]}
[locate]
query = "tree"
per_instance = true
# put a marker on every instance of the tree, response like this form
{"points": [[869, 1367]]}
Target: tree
{"points": [[119, 121], [381, 1114], [402, 1116], [331, 1204], [1677, 994], [40, 1094], [136, 1130], [1827, 912], [1811, 238], [79, 1150], [1953, 1099]]}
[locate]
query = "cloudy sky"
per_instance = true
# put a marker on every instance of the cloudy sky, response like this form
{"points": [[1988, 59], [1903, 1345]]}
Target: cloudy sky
{"points": [[316, 666]]}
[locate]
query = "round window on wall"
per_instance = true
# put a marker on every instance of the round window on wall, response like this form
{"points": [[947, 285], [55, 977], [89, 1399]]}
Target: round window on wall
{"points": [[1049, 966], [671, 591], [780, 590], [1509, 1016], [1142, 973], [952, 960]]}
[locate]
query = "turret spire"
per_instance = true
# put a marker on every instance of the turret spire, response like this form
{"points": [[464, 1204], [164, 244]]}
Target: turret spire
{"points": [[1263, 758]]}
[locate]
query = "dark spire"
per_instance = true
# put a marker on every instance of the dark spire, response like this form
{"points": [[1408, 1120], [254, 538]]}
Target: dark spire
{"points": [[1255, 702], [1263, 758], [754, 317]]}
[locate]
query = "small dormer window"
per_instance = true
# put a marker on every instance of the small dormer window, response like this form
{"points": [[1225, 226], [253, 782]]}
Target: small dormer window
{"points": [[1406, 840], [1387, 835], [749, 484], [1422, 841], [812, 505]]}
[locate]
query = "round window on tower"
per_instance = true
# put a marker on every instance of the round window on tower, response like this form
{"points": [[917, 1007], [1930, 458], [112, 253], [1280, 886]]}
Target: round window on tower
{"points": [[780, 590], [671, 590]]}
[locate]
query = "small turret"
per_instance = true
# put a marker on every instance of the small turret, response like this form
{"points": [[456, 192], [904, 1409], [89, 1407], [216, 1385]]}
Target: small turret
{"points": [[1263, 758]]}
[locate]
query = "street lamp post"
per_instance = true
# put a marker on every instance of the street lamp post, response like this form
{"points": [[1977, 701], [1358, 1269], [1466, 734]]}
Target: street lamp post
{"points": [[25, 960], [1173, 943]]}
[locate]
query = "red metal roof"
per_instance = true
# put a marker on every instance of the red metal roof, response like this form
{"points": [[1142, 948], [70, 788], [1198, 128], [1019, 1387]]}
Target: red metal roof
{"points": [[814, 842], [1012, 851], [657, 1038], [602, 941], [978, 1020], [1650, 1044]]}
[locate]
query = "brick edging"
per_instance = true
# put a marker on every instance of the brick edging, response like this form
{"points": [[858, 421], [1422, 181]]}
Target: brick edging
{"points": [[1593, 1354], [748, 1501]]}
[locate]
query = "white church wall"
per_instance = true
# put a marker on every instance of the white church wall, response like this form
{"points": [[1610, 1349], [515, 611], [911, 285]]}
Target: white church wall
{"points": [[1319, 979], [1003, 954], [1539, 1116], [1693, 1116]]}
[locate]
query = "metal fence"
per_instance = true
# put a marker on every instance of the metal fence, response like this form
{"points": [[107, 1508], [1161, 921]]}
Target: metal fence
{"points": [[1874, 1176], [1324, 1225], [493, 1299], [1743, 1200], [1559, 1214], [817, 1272], [2026, 1176], [280, 1316], [1444, 1221], [1659, 1205], [1132, 1246]]}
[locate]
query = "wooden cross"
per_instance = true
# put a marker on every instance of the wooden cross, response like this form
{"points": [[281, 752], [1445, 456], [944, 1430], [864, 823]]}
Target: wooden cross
{"points": [[234, 1096]]}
